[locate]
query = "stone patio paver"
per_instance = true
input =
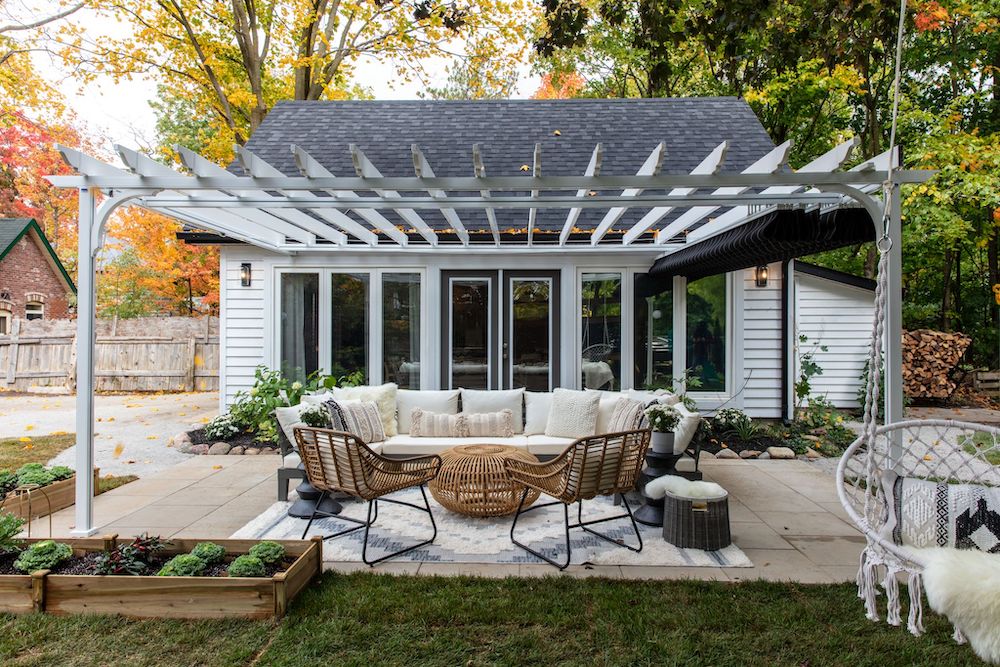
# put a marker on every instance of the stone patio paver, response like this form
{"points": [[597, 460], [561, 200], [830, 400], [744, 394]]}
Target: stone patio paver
{"points": [[784, 514]]}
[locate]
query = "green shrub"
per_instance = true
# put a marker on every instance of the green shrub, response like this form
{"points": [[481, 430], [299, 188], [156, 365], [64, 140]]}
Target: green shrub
{"points": [[34, 473], [246, 566], [184, 565], [134, 558], [62, 472], [10, 526], [268, 552], [209, 552], [223, 427], [316, 416], [42, 556], [730, 420], [8, 480]]}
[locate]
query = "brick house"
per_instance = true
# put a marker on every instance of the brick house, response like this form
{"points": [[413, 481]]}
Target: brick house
{"points": [[33, 282]]}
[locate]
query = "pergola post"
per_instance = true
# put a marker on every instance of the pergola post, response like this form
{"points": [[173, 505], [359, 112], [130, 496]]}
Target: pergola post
{"points": [[85, 320], [894, 324]]}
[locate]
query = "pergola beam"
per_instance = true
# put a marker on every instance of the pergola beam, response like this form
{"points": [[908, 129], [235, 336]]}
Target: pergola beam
{"points": [[650, 167], [423, 168], [364, 167], [536, 172], [710, 165], [479, 169], [312, 169], [593, 169]]}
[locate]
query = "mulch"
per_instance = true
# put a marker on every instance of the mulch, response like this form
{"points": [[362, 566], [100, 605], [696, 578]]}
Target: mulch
{"points": [[714, 445]]}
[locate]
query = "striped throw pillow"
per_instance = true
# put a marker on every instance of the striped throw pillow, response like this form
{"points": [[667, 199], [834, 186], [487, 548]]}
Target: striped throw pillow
{"points": [[490, 424], [424, 424], [361, 419], [627, 416]]}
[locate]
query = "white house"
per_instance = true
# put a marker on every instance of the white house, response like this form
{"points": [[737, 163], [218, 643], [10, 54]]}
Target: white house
{"points": [[509, 297]]}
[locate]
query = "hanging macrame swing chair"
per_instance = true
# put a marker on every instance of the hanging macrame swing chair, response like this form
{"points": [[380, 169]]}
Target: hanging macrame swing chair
{"points": [[925, 493]]}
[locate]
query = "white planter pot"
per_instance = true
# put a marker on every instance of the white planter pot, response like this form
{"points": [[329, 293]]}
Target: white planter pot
{"points": [[662, 443]]}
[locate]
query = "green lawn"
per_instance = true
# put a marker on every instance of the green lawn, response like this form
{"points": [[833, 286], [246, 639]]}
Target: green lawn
{"points": [[368, 620], [984, 442], [15, 452]]}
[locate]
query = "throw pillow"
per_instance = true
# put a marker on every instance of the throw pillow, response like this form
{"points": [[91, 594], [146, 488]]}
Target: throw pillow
{"points": [[288, 419], [926, 514], [489, 424], [627, 416], [605, 408], [536, 411], [483, 401], [425, 424], [573, 414], [442, 402], [383, 395], [686, 428], [361, 419]]}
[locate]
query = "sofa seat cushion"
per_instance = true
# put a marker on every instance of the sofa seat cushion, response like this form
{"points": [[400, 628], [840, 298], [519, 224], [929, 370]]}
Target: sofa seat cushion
{"points": [[547, 445], [412, 446]]}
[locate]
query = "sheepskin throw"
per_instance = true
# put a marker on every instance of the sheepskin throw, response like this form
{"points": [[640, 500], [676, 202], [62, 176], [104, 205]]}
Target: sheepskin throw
{"points": [[683, 488], [490, 424], [964, 585], [932, 514], [361, 419], [426, 424], [573, 414], [627, 415]]}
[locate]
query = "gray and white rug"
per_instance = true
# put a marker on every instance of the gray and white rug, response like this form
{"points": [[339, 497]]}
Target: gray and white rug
{"points": [[462, 539]]}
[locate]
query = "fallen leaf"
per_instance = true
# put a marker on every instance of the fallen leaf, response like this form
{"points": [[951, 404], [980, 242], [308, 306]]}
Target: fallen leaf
{"points": [[24, 439], [216, 467], [119, 448], [152, 437], [29, 427]]}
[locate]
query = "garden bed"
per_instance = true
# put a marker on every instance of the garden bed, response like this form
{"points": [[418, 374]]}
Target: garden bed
{"points": [[62, 591], [45, 500]]}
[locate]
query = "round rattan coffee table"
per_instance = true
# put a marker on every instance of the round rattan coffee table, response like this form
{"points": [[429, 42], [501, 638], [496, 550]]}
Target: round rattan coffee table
{"points": [[472, 480]]}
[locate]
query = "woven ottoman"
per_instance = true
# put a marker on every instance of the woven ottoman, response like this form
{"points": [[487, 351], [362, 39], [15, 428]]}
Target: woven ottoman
{"points": [[695, 513], [473, 480]]}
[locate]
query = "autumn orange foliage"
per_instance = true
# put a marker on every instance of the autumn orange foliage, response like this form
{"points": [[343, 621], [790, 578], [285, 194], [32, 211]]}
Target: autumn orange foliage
{"points": [[556, 86]]}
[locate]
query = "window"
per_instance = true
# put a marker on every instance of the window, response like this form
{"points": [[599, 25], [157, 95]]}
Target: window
{"points": [[471, 333], [401, 329], [349, 324], [601, 330], [4, 323], [654, 340], [706, 332], [34, 310], [299, 324]]}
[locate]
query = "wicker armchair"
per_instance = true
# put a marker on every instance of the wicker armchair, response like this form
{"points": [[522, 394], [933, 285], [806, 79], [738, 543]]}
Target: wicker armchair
{"points": [[340, 462], [599, 465]]}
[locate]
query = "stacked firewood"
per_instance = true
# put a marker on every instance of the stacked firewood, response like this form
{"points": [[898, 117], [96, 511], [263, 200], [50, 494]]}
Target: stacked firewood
{"points": [[929, 361]]}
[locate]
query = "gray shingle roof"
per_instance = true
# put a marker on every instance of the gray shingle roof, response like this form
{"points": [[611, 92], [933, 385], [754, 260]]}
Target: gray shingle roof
{"points": [[10, 231], [507, 131]]}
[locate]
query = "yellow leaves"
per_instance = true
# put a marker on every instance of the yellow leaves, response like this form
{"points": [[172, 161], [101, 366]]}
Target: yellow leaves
{"points": [[152, 437], [119, 448], [24, 439]]}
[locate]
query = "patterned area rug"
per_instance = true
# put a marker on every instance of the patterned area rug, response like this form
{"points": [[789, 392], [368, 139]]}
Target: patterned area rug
{"points": [[462, 539]]}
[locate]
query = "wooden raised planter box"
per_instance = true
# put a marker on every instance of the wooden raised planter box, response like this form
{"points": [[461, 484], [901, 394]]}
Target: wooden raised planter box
{"points": [[165, 597], [47, 499]]}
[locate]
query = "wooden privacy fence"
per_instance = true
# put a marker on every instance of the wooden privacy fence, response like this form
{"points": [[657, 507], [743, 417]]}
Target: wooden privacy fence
{"points": [[174, 358]]}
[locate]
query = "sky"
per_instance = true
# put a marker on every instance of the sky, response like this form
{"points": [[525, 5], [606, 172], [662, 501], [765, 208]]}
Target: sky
{"points": [[120, 112]]}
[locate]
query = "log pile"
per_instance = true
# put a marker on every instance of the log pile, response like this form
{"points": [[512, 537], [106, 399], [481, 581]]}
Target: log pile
{"points": [[929, 361]]}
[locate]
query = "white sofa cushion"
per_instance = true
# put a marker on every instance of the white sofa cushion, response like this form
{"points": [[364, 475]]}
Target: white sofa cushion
{"points": [[441, 402], [547, 445], [384, 396], [686, 428], [647, 397], [489, 424], [606, 408], [409, 445], [627, 415], [573, 413], [426, 424], [288, 419], [536, 411], [483, 401]]}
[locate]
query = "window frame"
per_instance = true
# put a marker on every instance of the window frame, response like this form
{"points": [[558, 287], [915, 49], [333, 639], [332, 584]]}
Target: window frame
{"points": [[40, 315]]}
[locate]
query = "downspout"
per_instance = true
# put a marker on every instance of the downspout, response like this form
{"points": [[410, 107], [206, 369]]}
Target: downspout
{"points": [[787, 328]]}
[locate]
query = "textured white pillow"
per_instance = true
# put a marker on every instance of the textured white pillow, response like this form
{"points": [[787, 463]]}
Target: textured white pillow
{"points": [[288, 419], [477, 401], [605, 409], [536, 411], [316, 399], [426, 424], [384, 396], [489, 424], [573, 414], [440, 402], [686, 428], [627, 416], [647, 397]]}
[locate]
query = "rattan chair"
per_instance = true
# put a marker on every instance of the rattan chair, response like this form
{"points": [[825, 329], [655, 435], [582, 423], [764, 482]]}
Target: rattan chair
{"points": [[599, 465], [341, 462]]}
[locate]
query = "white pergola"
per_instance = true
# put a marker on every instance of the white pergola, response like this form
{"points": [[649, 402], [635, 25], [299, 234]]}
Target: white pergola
{"points": [[316, 211]]}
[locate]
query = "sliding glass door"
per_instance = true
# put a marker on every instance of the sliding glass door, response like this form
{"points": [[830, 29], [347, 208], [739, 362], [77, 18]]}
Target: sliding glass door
{"points": [[532, 327]]}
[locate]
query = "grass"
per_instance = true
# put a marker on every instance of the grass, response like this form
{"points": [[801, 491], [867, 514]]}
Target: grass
{"points": [[985, 441], [15, 452], [369, 620]]}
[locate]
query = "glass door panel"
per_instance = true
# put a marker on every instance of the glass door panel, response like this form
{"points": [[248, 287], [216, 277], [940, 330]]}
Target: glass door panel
{"points": [[349, 324], [299, 324], [528, 355], [470, 357]]}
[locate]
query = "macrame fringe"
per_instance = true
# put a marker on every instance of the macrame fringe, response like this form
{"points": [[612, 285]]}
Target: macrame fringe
{"points": [[891, 586], [915, 621], [958, 636], [869, 589]]}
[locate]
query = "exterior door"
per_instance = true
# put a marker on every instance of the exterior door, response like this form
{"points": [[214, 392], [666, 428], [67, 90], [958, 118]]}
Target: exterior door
{"points": [[499, 329]]}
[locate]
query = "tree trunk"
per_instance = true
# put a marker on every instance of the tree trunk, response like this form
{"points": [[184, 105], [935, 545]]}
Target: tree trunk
{"points": [[946, 305]]}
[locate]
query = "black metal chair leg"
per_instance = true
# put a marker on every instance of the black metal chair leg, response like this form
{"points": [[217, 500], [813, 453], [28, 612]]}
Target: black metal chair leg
{"points": [[317, 512], [628, 513], [513, 525], [371, 520]]}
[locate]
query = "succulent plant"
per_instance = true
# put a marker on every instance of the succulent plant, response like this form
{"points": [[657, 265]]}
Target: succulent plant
{"points": [[184, 565], [246, 566], [268, 552], [209, 552], [43, 556]]}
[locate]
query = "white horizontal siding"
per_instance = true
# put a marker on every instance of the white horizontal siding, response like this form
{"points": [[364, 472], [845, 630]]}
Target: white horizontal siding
{"points": [[838, 317], [243, 310], [761, 340]]}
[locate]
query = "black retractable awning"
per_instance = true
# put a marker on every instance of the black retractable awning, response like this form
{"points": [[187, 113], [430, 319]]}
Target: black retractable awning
{"points": [[775, 237]]}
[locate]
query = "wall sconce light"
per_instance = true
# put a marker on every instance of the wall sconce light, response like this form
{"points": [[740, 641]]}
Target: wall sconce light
{"points": [[760, 276], [245, 275]]}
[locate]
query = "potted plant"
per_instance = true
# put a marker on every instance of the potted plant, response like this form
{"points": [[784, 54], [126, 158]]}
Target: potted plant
{"points": [[663, 419]]}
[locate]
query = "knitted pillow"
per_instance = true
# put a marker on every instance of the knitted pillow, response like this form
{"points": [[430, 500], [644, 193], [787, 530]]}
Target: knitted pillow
{"points": [[361, 419], [489, 424], [424, 424], [627, 416], [573, 414]]}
